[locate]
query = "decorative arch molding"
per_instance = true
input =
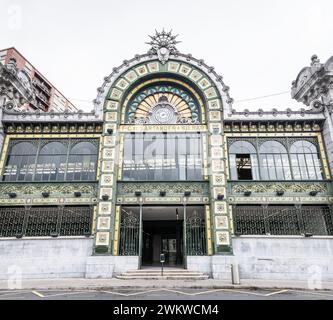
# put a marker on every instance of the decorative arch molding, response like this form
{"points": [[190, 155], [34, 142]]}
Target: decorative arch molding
{"points": [[174, 71], [196, 71], [194, 98]]}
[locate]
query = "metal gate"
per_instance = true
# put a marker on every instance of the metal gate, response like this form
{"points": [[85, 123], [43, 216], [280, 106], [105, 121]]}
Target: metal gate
{"points": [[129, 233], [195, 236]]}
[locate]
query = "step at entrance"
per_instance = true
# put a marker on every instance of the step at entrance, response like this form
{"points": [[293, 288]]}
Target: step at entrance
{"points": [[168, 274]]}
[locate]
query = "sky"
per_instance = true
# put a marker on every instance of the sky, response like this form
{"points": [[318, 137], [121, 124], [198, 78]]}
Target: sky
{"points": [[258, 46]]}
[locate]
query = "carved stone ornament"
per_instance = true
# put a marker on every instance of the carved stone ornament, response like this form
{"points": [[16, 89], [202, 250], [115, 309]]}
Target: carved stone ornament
{"points": [[163, 44]]}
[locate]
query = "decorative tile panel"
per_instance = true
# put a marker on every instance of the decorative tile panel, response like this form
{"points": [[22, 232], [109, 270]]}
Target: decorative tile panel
{"points": [[215, 116], [141, 70], [107, 192], [107, 166], [216, 152], [221, 222], [173, 66], [102, 238], [106, 179], [216, 140], [217, 165], [122, 84], [220, 207], [115, 94], [185, 70], [214, 104], [104, 208], [109, 141], [103, 223], [111, 116], [153, 66], [211, 93], [108, 153], [131, 76], [195, 75], [222, 238], [219, 179], [204, 83]]}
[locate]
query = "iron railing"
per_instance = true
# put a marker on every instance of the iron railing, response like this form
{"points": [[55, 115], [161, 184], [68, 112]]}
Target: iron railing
{"points": [[129, 234], [45, 221], [283, 220], [196, 236]]}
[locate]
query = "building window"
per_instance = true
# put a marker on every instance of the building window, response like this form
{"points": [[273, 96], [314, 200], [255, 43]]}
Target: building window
{"points": [[160, 157], [292, 160], [45, 221], [51, 160], [82, 162], [21, 162], [305, 161], [282, 220], [243, 161], [274, 161]]}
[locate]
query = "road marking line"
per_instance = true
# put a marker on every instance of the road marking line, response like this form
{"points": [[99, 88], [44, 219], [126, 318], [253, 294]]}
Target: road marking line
{"points": [[131, 294], [276, 292], [68, 293], [38, 294], [244, 292], [314, 293], [143, 292]]}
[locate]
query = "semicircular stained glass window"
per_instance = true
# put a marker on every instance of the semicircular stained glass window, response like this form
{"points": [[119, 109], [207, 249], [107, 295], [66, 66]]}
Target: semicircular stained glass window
{"points": [[163, 104]]}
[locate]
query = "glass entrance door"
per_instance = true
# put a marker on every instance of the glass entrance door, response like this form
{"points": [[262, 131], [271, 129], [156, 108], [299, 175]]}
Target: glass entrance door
{"points": [[162, 237], [169, 248]]}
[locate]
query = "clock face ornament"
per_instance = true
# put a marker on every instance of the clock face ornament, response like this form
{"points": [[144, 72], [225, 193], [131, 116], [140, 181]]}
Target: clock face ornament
{"points": [[163, 113]]}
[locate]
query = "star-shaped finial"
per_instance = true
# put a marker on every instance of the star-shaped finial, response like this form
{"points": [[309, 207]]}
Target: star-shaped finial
{"points": [[163, 40]]}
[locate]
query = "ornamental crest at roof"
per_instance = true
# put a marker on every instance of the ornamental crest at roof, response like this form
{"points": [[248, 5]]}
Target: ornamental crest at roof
{"points": [[163, 43]]}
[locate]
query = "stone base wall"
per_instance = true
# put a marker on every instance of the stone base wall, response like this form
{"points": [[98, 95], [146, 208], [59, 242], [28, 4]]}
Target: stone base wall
{"points": [[259, 257], [44, 257], [284, 258], [105, 267]]}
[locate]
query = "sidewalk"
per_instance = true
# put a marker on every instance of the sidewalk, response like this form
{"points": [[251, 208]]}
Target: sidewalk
{"points": [[102, 284]]}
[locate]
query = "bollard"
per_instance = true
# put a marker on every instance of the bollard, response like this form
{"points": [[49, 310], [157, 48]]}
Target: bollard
{"points": [[235, 273]]}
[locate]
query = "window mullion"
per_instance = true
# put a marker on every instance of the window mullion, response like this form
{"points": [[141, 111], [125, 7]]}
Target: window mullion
{"points": [[291, 169], [36, 160], [259, 160], [69, 144]]}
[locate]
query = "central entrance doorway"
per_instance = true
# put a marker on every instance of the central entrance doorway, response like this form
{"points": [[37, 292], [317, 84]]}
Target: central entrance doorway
{"points": [[162, 237], [162, 230]]}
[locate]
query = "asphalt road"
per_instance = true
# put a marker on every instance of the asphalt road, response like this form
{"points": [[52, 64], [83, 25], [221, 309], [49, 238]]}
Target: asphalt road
{"points": [[166, 294]]}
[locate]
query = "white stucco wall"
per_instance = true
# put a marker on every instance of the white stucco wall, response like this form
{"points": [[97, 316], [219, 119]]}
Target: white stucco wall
{"points": [[278, 258], [44, 257]]}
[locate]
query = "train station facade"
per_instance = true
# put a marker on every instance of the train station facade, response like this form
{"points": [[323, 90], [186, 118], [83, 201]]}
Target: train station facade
{"points": [[165, 164]]}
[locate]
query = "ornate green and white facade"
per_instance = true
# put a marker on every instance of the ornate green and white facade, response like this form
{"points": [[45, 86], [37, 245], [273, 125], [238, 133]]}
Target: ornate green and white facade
{"points": [[165, 164]]}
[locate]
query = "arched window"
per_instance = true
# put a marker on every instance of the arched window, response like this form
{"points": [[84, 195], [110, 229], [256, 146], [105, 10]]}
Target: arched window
{"points": [[51, 163], [243, 161], [20, 162], [274, 161], [82, 162], [305, 161]]}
